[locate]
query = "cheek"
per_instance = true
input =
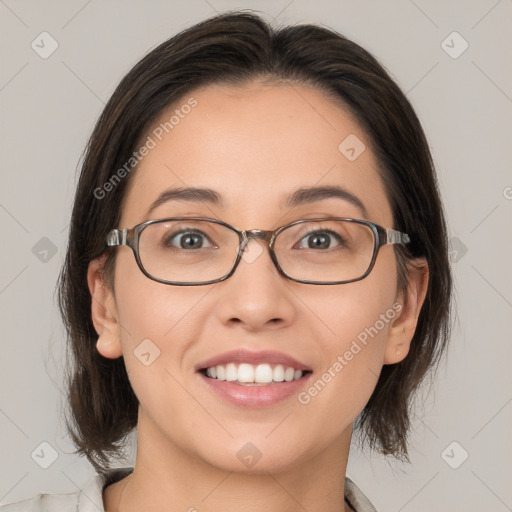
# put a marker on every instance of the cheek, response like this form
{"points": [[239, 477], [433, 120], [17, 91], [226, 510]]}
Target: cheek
{"points": [[355, 320], [156, 322], [346, 311], [359, 325], [159, 325], [148, 309]]}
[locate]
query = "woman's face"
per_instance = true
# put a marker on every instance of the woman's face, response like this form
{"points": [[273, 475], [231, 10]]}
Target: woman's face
{"points": [[254, 146]]}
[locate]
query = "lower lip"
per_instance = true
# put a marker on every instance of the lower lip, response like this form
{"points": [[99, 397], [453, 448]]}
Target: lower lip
{"points": [[255, 396]]}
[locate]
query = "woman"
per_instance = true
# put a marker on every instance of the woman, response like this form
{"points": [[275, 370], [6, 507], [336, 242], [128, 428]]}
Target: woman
{"points": [[257, 267]]}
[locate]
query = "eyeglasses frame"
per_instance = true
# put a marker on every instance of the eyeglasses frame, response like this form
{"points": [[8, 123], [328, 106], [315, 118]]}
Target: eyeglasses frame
{"points": [[131, 236]]}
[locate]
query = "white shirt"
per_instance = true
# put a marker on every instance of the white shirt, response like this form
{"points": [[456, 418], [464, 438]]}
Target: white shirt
{"points": [[90, 498]]}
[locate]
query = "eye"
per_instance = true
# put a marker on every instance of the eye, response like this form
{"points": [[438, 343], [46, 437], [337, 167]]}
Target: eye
{"points": [[321, 239], [188, 239]]}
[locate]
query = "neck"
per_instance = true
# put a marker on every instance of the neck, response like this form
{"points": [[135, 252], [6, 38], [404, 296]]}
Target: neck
{"points": [[167, 477]]}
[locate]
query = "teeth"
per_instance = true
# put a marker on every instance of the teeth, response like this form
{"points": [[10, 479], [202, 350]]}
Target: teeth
{"points": [[247, 374]]}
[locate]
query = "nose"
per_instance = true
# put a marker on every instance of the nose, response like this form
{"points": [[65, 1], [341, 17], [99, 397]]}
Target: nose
{"points": [[256, 296]]}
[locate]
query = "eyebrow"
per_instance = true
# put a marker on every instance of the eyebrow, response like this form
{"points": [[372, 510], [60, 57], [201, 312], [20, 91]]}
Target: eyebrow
{"points": [[310, 195], [301, 196]]}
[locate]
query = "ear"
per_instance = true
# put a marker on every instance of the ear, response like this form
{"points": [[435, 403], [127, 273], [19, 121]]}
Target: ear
{"points": [[103, 311], [403, 326]]}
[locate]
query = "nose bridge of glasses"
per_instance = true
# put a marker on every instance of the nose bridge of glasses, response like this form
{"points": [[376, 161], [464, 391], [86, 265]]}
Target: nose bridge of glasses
{"points": [[259, 233], [256, 234]]}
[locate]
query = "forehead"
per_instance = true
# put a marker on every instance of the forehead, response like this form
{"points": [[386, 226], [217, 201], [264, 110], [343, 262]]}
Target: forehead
{"points": [[254, 145]]}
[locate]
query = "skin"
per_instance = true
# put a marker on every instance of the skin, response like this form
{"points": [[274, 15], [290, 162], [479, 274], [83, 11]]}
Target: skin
{"points": [[271, 139]]}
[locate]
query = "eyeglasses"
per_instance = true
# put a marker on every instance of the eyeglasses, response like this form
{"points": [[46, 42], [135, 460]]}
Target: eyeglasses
{"points": [[191, 251]]}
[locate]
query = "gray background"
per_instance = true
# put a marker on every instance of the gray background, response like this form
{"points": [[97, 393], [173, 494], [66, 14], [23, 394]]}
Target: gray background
{"points": [[48, 108]]}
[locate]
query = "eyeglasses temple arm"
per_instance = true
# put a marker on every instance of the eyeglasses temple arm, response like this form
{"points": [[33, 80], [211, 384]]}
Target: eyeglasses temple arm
{"points": [[117, 237], [395, 237]]}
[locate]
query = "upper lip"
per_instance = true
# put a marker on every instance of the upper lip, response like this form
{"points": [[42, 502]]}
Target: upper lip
{"points": [[247, 356]]}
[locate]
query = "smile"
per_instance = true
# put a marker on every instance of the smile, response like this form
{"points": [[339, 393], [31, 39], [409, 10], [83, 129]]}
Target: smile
{"points": [[248, 374]]}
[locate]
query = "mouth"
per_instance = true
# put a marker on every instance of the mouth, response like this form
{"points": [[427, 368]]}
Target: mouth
{"points": [[250, 379], [245, 374], [253, 395]]}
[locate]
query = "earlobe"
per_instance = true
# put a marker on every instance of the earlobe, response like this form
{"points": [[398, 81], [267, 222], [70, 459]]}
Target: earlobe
{"points": [[103, 312], [404, 325], [109, 346]]}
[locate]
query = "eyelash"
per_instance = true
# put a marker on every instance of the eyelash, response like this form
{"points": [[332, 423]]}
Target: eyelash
{"points": [[168, 239]]}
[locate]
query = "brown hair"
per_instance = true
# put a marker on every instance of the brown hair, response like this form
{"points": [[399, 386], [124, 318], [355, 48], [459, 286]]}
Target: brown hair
{"points": [[234, 48]]}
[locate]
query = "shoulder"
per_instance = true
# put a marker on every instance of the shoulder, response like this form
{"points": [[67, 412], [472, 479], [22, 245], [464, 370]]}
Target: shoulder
{"points": [[356, 498], [88, 499], [45, 503]]}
